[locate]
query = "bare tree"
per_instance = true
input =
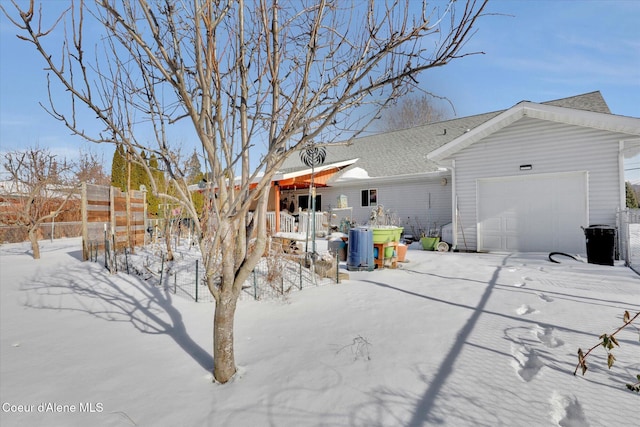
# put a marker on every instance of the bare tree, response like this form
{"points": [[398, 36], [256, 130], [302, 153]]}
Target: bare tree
{"points": [[91, 170], [38, 189], [412, 111], [252, 81]]}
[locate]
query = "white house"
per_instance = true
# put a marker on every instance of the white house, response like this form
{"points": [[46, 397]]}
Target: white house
{"points": [[528, 179], [524, 179]]}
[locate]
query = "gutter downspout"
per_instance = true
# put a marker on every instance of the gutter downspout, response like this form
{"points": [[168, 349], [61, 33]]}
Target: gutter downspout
{"points": [[454, 197]]}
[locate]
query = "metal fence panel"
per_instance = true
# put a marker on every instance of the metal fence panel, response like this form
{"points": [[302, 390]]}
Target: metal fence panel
{"points": [[275, 276], [629, 237]]}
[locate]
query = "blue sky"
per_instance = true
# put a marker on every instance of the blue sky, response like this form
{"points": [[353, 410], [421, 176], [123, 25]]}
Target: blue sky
{"points": [[536, 50], [540, 50]]}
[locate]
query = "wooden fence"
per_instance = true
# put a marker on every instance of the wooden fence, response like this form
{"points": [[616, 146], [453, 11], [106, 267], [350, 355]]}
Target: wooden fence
{"points": [[108, 213]]}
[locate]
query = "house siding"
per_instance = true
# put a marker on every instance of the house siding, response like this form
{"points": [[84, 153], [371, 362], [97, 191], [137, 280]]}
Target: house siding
{"points": [[550, 147], [407, 201]]}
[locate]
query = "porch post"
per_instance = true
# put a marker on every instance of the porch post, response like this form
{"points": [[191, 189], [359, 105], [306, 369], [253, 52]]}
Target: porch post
{"points": [[276, 186]]}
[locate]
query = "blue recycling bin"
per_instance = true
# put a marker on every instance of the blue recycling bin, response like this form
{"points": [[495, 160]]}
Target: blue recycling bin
{"points": [[360, 249]]}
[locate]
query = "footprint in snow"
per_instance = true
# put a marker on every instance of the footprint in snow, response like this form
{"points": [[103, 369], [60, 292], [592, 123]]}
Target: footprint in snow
{"points": [[525, 309], [546, 336], [566, 411], [526, 362], [546, 298], [522, 283]]}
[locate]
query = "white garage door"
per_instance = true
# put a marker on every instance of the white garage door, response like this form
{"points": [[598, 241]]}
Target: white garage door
{"points": [[533, 213]]}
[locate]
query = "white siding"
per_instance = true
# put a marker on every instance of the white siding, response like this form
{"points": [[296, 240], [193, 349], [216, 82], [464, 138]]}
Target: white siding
{"points": [[549, 147], [407, 200]]}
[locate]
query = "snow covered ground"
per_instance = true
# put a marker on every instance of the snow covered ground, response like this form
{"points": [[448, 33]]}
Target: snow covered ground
{"points": [[448, 339]]}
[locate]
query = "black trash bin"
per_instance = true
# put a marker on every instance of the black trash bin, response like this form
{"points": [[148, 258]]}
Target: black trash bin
{"points": [[600, 244]]}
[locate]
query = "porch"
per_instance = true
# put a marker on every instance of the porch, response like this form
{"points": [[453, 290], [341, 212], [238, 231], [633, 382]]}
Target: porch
{"points": [[301, 221], [298, 223]]}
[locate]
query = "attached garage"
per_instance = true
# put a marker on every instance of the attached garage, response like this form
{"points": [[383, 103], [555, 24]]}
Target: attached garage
{"points": [[530, 178], [533, 213]]}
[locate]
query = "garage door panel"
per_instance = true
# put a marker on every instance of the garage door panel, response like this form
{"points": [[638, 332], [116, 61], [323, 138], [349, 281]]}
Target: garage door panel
{"points": [[533, 213], [511, 241], [493, 225], [511, 224], [493, 241]]}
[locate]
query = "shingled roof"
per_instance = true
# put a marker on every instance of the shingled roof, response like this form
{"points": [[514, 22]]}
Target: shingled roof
{"points": [[405, 151]]}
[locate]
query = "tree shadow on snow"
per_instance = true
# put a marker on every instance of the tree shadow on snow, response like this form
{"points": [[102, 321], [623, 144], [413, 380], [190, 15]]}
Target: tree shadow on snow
{"points": [[425, 404], [76, 254], [119, 298], [429, 407]]}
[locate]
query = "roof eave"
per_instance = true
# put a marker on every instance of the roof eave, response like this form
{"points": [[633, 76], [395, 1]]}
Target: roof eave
{"points": [[476, 134], [395, 178], [602, 121], [302, 172]]}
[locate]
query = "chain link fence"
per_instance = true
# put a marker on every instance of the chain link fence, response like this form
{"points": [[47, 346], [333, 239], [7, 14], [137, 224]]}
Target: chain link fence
{"points": [[628, 224]]}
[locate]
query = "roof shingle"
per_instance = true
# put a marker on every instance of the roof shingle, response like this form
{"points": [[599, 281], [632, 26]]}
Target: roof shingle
{"points": [[405, 151]]}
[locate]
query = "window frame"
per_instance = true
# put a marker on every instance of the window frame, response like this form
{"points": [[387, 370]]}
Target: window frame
{"points": [[370, 195]]}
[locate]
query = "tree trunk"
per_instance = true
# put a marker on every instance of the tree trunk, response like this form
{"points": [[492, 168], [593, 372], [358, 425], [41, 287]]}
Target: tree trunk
{"points": [[33, 238], [224, 366], [167, 239]]}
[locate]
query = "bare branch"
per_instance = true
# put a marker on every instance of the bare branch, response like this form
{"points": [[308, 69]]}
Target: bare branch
{"points": [[39, 187], [248, 82]]}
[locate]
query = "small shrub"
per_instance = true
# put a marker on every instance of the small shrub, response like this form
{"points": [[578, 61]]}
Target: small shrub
{"points": [[609, 342]]}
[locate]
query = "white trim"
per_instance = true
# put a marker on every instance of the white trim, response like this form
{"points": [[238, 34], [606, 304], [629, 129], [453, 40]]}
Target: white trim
{"points": [[602, 121], [622, 184], [454, 205], [302, 172], [533, 175], [390, 179], [369, 190], [283, 176]]}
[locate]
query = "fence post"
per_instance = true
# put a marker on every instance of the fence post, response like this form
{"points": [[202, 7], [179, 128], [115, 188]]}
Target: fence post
{"points": [[255, 285], [161, 268], [175, 283], [106, 247], [106, 254], [337, 268], [115, 250], [197, 281], [300, 269], [126, 259]]}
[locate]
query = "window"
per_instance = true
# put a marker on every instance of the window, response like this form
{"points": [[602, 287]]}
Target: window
{"points": [[303, 202], [369, 197]]}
